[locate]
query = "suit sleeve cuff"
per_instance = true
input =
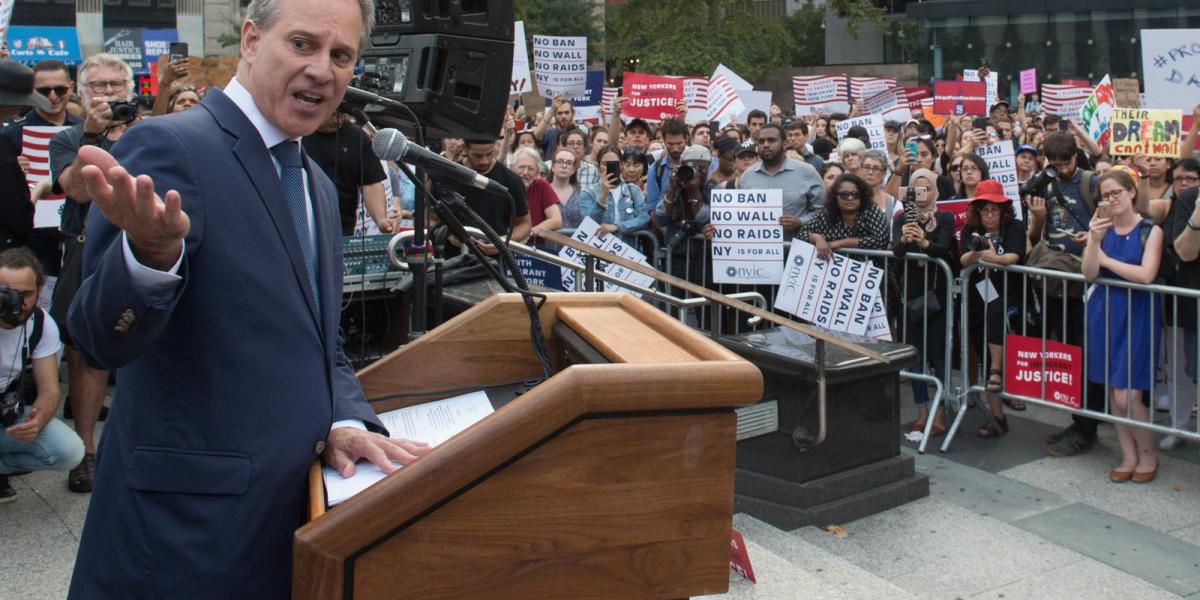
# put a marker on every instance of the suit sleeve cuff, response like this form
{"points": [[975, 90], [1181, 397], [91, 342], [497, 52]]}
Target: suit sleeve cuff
{"points": [[355, 423], [157, 286]]}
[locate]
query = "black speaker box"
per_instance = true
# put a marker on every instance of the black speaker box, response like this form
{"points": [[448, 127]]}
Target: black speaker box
{"points": [[487, 19]]}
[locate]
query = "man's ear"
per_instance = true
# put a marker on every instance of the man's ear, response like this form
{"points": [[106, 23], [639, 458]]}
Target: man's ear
{"points": [[251, 36]]}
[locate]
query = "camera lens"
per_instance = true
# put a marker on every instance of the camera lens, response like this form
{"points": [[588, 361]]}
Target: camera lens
{"points": [[685, 173]]}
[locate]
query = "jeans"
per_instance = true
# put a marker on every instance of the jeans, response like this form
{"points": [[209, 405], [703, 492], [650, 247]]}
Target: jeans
{"points": [[55, 447]]}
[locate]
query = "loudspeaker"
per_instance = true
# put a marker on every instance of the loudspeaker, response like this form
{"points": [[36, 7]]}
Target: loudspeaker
{"points": [[450, 61]]}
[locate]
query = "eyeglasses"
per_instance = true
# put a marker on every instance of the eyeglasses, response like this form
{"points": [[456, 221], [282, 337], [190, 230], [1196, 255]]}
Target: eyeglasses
{"points": [[955, 167], [969, 168], [1109, 195], [116, 85], [872, 168], [60, 90], [1187, 178], [845, 195], [574, 143], [564, 163]]}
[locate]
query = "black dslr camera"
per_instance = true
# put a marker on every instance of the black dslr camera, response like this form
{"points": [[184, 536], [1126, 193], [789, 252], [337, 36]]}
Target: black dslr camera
{"points": [[687, 228], [14, 397], [1036, 186], [685, 174], [122, 111]]}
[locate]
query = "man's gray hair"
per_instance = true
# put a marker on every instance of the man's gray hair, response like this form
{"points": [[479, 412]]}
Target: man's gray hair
{"points": [[526, 151], [878, 156], [102, 59], [265, 13]]}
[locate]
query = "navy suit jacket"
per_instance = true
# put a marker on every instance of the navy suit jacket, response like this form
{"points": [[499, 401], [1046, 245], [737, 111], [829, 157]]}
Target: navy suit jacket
{"points": [[227, 386]]}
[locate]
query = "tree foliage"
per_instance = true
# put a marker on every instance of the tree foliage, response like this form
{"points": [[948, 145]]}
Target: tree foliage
{"points": [[561, 17], [856, 12], [805, 26], [691, 37]]}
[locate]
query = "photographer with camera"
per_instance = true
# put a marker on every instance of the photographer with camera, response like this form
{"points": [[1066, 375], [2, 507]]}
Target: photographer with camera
{"points": [[31, 439], [106, 85], [683, 212]]}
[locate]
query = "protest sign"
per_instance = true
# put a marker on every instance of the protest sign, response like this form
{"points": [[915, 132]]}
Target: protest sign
{"points": [[865, 87], [891, 104], [651, 97], [35, 145], [724, 104], [739, 556], [958, 208], [874, 126], [6, 8], [825, 94], [695, 94], [539, 272], [993, 84], [560, 65], [520, 83], [1171, 68], [1029, 81], [1127, 91], [747, 246], [1097, 110], [753, 100], [840, 294], [607, 97], [1002, 167], [960, 98], [1152, 132], [930, 115], [735, 81], [1064, 100], [1059, 368], [915, 95], [589, 233], [587, 104]]}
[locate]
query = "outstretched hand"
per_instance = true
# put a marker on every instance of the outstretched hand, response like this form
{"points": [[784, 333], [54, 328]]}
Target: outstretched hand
{"points": [[155, 226]]}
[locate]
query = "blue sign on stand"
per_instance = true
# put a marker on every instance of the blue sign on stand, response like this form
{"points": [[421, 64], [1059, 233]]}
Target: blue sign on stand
{"points": [[538, 272], [29, 44]]}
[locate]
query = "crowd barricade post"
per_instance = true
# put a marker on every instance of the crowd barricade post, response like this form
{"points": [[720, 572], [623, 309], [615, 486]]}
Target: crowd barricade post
{"points": [[1045, 298]]}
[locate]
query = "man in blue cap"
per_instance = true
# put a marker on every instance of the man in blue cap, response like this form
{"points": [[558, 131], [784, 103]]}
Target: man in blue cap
{"points": [[1027, 163]]}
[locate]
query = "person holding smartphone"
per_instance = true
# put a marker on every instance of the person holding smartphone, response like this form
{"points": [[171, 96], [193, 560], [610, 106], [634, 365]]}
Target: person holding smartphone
{"points": [[618, 206]]}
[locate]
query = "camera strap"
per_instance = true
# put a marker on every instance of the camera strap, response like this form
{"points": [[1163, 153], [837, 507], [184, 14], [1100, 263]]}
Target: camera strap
{"points": [[34, 338]]}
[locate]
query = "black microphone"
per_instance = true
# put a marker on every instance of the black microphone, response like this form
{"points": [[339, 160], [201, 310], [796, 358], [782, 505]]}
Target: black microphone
{"points": [[357, 97], [390, 144]]}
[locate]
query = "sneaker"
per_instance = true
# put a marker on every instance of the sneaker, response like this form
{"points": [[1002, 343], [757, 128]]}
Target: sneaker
{"points": [[1070, 444], [7, 493], [1052, 438], [1170, 443], [79, 480]]}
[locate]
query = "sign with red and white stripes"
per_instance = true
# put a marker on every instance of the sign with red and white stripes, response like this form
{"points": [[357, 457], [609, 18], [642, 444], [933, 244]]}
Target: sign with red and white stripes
{"points": [[824, 94], [865, 87], [695, 94], [916, 94], [891, 103], [608, 95], [1064, 100], [35, 145], [724, 104]]}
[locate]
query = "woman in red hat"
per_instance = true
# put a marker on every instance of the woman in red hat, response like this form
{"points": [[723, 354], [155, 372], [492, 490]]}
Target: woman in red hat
{"points": [[991, 235]]}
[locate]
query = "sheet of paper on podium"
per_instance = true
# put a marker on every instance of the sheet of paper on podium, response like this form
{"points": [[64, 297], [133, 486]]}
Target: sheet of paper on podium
{"points": [[431, 422]]}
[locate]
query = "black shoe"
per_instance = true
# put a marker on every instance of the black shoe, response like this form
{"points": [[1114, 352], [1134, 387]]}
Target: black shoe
{"points": [[1052, 438], [79, 480], [1070, 444], [7, 493]]}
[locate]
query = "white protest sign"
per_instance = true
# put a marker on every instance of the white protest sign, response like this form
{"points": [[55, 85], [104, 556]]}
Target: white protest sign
{"points": [[520, 83], [1002, 167], [993, 84], [754, 100], [865, 87], [747, 246], [589, 233], [35, 146], [6, 9], [825, 94], [1171, 68], [1096, 112], [874, 126], [723, 102], [560, 65], [891, 104], [735, 80], [695, 94], [840, 294]]}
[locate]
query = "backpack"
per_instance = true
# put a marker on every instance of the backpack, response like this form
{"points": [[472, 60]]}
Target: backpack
{"points": [[1043, 256]]}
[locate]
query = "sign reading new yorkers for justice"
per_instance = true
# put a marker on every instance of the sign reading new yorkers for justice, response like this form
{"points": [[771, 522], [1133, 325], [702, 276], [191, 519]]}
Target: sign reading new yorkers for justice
{"points": [[747, 246], [560, 65], [840, 294]]}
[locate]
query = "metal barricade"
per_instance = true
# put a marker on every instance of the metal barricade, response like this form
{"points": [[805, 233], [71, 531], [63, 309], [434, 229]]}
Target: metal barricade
{"points": [[1060, 306]]}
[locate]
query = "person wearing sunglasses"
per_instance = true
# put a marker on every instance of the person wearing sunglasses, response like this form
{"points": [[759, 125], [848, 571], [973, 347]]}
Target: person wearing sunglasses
{"points": [[51, 80], [851, 221]]}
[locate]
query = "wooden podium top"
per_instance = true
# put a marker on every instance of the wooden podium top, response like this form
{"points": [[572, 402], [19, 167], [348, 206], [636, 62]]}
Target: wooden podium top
{"points": [[664, 379]]}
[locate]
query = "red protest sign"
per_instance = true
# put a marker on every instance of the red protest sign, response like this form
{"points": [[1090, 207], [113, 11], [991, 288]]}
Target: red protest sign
{"points": [[1059, 366], [651, 97], [739, 558], [960, 98]]}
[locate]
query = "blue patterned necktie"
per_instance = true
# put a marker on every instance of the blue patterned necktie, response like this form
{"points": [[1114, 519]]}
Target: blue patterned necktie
{"points": [[291, 175]]}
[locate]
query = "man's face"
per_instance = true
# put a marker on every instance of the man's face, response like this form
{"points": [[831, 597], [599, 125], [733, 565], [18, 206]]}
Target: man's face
{"points": [[1065, 167], [795, 139], [56, 86], [674, 145], [1184, 180], [702, 136], [637, 137], [1004, 130], [481, 157], [565, 115], [298, 70], [770, 145], [24, 282], [104, 83], [527, 168], [755, 125], [1026, 162], [999, 111]]}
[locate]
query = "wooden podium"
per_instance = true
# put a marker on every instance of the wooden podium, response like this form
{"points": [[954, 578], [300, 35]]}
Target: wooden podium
{"points": [[612, 479]]}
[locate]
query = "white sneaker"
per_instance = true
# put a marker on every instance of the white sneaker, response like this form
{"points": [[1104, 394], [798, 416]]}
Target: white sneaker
{"points": [[1169, 443]]}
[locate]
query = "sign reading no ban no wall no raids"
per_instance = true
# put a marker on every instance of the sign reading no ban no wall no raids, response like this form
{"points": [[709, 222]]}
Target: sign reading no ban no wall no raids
{"points": [[560, 65]]}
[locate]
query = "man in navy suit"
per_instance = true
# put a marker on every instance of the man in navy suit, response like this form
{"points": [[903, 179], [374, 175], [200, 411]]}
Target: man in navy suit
{"points": [[213, 283]]}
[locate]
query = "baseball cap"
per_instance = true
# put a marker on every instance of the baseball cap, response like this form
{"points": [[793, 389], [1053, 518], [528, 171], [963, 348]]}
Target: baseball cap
{"points": [[860, 132], [746, 147], [638, 123], [1026, 148], [725, 144], [892, 125], [695, 152], [16, 86]]}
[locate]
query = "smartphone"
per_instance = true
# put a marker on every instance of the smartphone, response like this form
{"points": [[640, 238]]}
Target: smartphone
{"points": [[612, 168], [919, 193], [980, 123], [911, 146], [178, 50], [1063, 125], [1104, 210]]}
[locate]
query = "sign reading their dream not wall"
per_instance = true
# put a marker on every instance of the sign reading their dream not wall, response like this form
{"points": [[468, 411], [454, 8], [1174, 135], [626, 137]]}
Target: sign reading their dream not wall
{"points": [[1145, 131], [747, 246], [840, 294]]}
